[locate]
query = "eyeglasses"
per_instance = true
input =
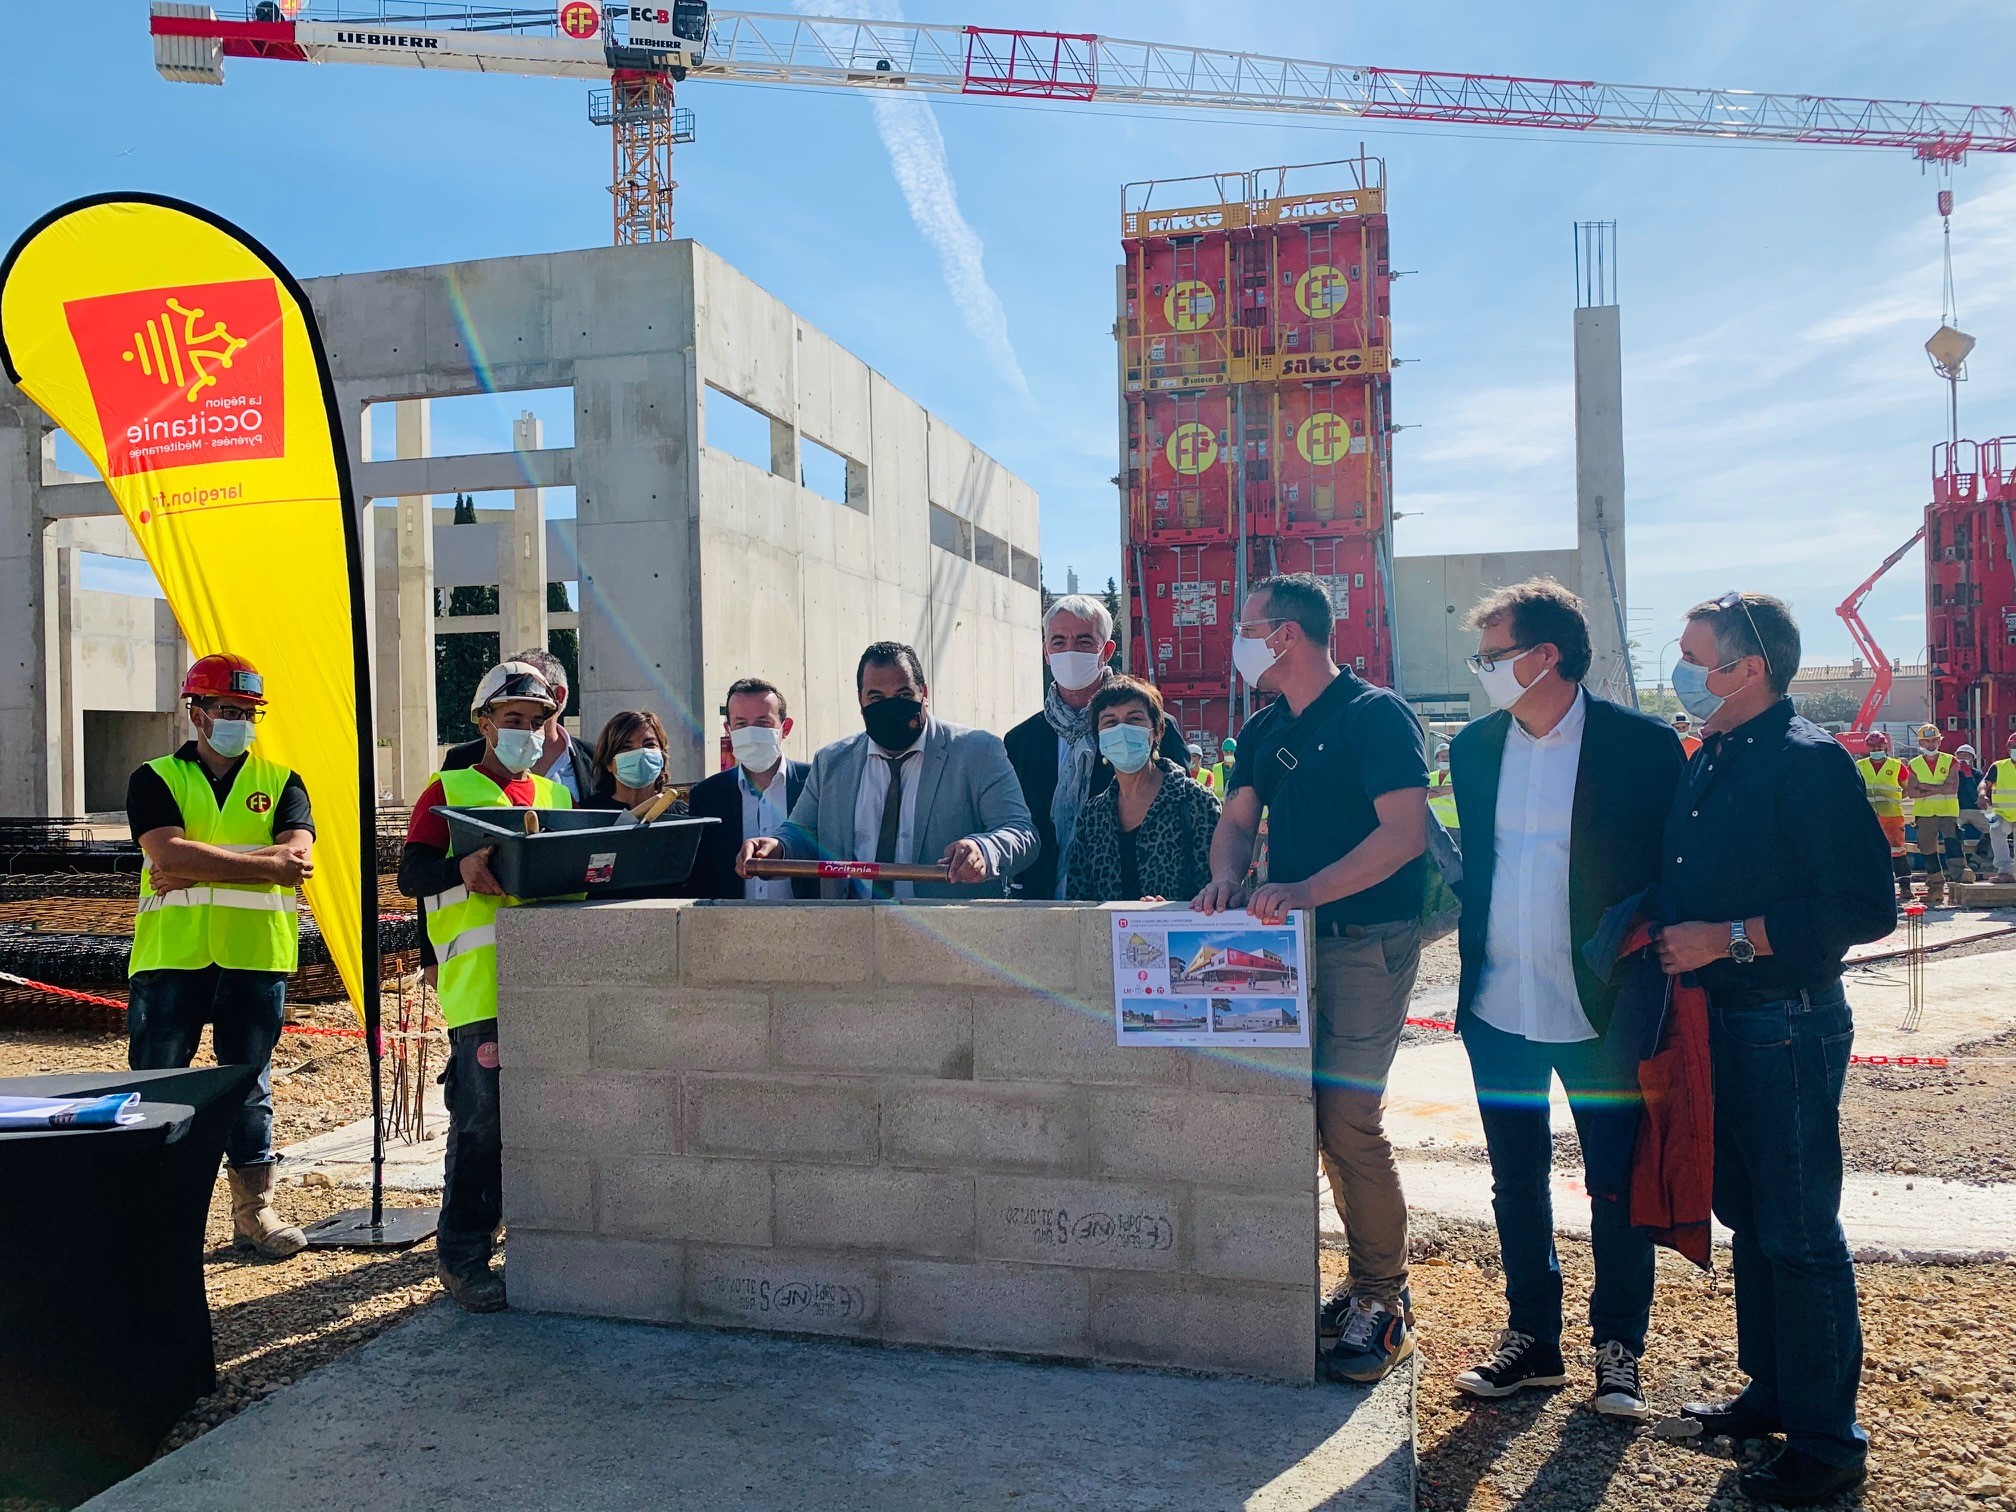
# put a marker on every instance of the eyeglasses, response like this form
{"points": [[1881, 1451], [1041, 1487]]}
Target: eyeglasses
{"points": [[1244, 626], [1486, 662], [251, 714], [1734, 599]]}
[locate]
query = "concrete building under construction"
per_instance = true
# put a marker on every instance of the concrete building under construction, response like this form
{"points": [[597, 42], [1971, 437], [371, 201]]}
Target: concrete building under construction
{"points": [[693, 566]]}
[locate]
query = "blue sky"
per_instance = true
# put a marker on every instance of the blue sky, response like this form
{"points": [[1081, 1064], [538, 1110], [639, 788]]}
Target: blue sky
{"points": [[1779, 412]]}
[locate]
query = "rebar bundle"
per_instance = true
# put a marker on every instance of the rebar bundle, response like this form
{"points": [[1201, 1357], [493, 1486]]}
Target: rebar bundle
{"points": [[406, 1055], [1914, 966]]}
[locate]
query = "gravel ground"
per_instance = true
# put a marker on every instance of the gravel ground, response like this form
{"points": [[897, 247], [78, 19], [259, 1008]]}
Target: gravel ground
{"points": [[1957, 1123], [1935, 1396]]}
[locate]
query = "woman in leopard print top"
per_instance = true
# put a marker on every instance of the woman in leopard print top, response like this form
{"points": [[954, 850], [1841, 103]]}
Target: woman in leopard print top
{"points": [[1149, 834]]}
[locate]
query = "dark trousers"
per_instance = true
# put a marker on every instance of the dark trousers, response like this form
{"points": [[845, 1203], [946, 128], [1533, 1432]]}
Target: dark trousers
{"points": [[1513, 1075], [165, 1015], [1779, 1068], [472, 1179]]}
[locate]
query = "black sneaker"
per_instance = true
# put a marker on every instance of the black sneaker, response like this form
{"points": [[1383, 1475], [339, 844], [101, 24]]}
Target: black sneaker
{"points": [[1330, 1317], [1618, 1392], [1519, 1360]]}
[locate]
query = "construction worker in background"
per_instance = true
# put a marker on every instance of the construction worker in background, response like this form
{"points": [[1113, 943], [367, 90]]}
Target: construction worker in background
{"points": [[1999, 794], [1196, 771], [1883, 780], [510, 710], [1683, 726], [1441, 796], [1973, 815], [1221, 774], [228, 837], [1932, 783]]}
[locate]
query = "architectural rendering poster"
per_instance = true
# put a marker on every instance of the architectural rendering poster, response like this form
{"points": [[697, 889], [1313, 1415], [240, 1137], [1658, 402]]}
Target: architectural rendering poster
{"points": [[1184, 978]]}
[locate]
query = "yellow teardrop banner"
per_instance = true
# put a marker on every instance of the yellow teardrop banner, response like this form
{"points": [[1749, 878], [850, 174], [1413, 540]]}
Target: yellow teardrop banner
{"points": [[183, 359]]}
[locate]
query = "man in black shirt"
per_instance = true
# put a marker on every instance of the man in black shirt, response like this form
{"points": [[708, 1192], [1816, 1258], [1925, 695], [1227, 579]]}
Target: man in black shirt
{"points": [[1773, 865], [1342, 771]]}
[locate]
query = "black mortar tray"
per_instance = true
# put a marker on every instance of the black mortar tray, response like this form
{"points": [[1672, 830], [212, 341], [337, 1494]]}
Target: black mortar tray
{"points": [[576, 850]]}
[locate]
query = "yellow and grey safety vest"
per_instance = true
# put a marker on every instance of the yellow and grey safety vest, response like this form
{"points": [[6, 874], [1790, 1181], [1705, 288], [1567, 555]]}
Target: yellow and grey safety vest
{"points": [[242, 926], [1884, 782], [461, 925], [1442, 798], [2003, 775], [1934, 805]]}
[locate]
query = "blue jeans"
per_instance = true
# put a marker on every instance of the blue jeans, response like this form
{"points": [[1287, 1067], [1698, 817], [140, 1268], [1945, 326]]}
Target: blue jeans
{"points": [[165, 1015], [1779, 1068], [1512, 1076]]}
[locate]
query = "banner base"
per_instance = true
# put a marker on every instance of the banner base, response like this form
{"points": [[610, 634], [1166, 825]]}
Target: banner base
{"points": [[395, 1228]]}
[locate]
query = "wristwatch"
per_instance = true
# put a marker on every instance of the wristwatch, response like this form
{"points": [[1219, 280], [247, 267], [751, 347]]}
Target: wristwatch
{"points": [[1741, 951]]}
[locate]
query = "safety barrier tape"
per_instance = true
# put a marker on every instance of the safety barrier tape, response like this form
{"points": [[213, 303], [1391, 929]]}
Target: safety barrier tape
{"points": [[1932, 1061], [310, 1029]]}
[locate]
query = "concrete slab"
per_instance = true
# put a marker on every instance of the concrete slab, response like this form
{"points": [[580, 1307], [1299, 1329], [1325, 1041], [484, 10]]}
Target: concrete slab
{"points": [[1966, 999], [343, 1155], [449, 1413]]}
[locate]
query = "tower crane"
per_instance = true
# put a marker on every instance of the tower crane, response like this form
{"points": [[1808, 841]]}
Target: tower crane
{"points": [[644, 51]]}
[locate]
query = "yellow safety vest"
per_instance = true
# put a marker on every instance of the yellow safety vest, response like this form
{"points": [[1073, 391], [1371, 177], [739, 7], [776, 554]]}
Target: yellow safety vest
{"points": [[241, 926], [1884, 782], [1442, 798], [1218, 777], [1207, 778], [461, 925], [1937, 805], [2003, 775]]}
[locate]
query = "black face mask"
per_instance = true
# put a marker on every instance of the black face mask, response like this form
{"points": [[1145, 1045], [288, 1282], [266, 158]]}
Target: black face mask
{"points": [[893, 723]]}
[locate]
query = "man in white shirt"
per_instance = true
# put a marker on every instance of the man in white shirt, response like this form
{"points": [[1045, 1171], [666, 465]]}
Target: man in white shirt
{"points": [[751, 798], [1562, 798]]}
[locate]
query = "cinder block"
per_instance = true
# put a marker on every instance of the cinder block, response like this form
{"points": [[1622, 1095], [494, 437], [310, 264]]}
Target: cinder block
{"points": [[1006, 945], [895, 1030], [1256, 1073], [601, 1114], [566, 946], [792, 1291], [1255, 1236], [787, 1118], [1097, 1224], [847, 1207], [1199, 1324], [692, 1029], [1095, 949], [549, 1191], [1030, 1036], [600, 1278], [539, 1029], [1028, 1309], [1223, 1138], [806, 944], [676, 1198], [1003, 1126]]}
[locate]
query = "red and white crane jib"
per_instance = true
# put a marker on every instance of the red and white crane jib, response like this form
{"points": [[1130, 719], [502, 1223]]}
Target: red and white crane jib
{"points": [[760, 47]]}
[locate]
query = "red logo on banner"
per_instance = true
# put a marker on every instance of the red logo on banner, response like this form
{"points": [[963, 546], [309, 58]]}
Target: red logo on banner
{"points": [[579, 19], [183, 376]]}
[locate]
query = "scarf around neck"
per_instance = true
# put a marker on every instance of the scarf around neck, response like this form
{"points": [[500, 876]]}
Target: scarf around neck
{"points": [[1074, 774]]}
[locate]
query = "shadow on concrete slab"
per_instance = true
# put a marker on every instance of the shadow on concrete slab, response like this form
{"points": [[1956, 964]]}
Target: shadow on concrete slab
{"points": [[451, 1413]]}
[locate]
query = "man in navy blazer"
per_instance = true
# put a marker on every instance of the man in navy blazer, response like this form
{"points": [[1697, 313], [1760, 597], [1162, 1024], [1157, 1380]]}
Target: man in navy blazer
{"points": [[753, 797], [1561, 798]]}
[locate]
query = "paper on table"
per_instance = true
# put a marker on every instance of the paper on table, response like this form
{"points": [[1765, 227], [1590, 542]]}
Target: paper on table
{"points": [[70, 1112]]}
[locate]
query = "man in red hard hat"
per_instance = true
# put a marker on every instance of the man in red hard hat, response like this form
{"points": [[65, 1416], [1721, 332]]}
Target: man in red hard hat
{"points": [[228, 836]]}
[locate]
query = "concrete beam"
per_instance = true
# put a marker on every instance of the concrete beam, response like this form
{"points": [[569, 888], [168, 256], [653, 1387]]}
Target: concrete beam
{"points": [[476, 472]]}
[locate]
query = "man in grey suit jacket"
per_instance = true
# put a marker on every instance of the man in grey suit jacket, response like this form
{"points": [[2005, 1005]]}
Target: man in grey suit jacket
{"points": [[909, 789]]}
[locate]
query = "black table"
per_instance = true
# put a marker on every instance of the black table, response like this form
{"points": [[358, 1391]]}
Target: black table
{"points": [[104, 1325]]}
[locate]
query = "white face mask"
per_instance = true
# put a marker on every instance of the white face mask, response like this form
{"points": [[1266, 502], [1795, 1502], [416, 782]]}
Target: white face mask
{"points": [[517, 750], [1253, 656], [1501, 683], [757, 747], [1076, 669]]}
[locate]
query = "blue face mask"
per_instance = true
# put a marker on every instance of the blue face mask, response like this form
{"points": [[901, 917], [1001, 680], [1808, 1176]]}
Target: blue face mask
{"points": [[639, 768], [230, 738], [1690, 686], [1127, 746], [517, 750]]}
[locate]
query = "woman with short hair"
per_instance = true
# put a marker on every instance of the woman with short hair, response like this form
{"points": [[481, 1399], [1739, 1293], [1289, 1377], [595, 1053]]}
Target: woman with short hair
{"points": [[1148, 836], [629, 761]]}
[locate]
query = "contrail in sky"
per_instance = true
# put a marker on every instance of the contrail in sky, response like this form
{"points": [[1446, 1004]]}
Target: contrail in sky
{"points": [[916, 148]]}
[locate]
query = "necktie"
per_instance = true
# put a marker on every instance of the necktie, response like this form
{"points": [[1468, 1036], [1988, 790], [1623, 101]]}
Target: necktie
{"points": [[892, 820]]}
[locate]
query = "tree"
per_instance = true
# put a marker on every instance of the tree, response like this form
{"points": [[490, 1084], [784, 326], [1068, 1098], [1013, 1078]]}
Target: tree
{"points": [[461, 658], [565, 644], [1655, 699], [1830, 706], [1113, 608]]}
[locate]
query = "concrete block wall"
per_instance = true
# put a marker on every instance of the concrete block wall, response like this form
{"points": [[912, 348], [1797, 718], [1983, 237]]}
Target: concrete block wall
{"points": [[908, 1124]]}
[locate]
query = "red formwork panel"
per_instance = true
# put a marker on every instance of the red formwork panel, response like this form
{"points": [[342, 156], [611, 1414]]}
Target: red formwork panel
{"points": [[1179, 466], [1329, 291], [1325, 466], [1178, 320], [1183, 618], [1349, 568], [1970, 593]]}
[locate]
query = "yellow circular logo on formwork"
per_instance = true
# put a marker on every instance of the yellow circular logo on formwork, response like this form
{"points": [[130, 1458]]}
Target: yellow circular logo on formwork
{"points": [[1192, 448], [1323, 438], [1322, 291], [1190, 305]]}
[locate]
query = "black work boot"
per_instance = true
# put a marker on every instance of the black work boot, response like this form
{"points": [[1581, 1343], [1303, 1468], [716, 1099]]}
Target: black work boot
{"points": [[480, 1290]]}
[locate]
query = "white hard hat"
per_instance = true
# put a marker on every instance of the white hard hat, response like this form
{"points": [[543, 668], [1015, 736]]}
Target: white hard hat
{"points": [[511, 680]]}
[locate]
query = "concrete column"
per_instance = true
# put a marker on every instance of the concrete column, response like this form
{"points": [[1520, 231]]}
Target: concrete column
{"points": [[1599, 495], [26, 755], [67, 780], [411, 438], [521, 555]]}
